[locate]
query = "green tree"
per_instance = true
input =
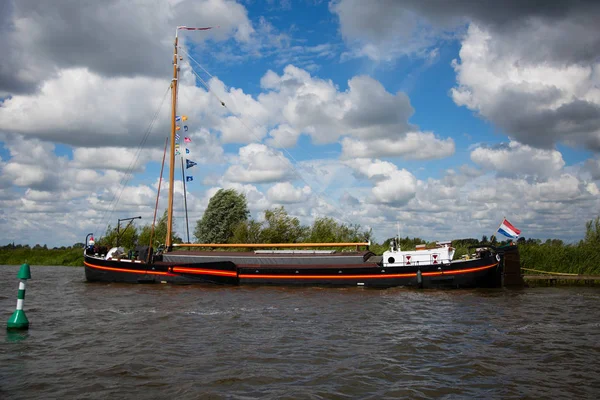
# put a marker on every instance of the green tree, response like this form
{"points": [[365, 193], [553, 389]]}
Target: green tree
{"points": [[553, 242], [592, 231], [326, 230], [493, 240], [247, 232], [226, 209], [279, 227], [160, 233], [128, 237], [466, 242]]}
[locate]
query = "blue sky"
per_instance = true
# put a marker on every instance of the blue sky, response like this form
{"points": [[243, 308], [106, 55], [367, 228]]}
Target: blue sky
{"points": [[439, 118]]}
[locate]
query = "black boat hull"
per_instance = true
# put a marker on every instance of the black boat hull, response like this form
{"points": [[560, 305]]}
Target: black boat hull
{"points": [[482, 272]]}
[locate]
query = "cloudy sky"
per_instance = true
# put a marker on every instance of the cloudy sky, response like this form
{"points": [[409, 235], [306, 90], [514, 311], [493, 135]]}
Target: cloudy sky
{"points": [[437, 117]]}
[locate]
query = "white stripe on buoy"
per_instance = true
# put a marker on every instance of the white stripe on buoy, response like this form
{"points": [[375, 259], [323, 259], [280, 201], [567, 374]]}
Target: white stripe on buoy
{"points": [[21, 295]]}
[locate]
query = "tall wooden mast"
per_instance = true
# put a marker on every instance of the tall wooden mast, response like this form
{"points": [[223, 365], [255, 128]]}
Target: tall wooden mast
{"points": [[174, 82], [168, 240]]}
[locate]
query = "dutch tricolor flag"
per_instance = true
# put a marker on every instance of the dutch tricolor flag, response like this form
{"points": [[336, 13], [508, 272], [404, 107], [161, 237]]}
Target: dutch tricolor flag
{"points": [[507, 229]]}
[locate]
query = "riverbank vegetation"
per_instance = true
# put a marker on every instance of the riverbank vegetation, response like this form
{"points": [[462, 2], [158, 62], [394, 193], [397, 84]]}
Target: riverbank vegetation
{"points": [[226, 220], [12, 254], [554, 255]]}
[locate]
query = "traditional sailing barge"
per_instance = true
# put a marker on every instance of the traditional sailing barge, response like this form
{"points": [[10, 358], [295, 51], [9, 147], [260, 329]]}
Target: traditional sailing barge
{"points": [[433, 268], [427, 268]]}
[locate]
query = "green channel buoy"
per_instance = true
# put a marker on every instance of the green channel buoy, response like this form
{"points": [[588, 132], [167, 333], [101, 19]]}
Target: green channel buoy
{"points": [[18, 320]]}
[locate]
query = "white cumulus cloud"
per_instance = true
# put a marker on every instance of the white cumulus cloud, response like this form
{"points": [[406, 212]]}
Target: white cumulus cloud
{"points": [[259, 164], [518, 159], [286, 193]]}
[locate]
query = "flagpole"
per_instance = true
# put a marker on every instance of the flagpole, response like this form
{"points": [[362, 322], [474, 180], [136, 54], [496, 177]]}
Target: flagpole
{"points": [[497, 229], [187, 223]]}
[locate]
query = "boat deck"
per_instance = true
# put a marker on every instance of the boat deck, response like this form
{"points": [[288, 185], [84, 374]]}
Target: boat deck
{"points": [[280, 259]]}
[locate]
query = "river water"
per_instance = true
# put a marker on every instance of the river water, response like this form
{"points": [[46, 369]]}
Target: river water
{"points": [[117, 341]]}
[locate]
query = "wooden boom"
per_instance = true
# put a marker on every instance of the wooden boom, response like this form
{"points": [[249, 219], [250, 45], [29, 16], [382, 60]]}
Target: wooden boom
{"points": [[257, 245]]}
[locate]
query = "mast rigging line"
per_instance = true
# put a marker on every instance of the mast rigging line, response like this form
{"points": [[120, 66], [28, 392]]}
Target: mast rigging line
{"points": [[162, 168], [318, 194], [128, 173]]}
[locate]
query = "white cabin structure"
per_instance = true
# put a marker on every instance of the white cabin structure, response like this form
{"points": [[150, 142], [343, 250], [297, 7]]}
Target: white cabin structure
{"points": [[395, 257]]}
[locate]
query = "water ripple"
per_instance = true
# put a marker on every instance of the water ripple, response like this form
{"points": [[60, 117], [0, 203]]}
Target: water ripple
{"points": [[98, 341]]}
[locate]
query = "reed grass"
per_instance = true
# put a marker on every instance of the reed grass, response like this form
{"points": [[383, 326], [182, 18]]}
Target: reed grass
{"points": [[583, 259]]}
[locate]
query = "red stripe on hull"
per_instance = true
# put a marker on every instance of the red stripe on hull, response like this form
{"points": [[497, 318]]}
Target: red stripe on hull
{"points": [[127, 270], [460, 271], [370, 276], [202, 271]]}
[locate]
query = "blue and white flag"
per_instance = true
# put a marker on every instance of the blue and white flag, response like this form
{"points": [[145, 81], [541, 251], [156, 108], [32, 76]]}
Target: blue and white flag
{"points": [[189, 163], [189, 178]]}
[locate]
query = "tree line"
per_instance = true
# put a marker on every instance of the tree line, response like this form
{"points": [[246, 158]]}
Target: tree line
{"points": [[227, 220]]}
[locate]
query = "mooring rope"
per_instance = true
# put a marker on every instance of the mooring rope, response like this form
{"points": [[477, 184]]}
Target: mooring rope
{"points": [[548, 272]]}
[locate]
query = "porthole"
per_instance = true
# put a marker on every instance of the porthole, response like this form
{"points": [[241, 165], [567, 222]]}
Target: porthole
{"points": [[391, 260]]}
